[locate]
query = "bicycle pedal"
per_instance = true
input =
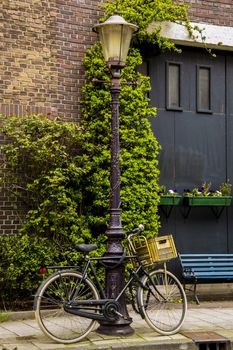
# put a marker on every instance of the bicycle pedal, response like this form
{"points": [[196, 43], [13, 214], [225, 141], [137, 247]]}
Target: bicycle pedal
{"points": [[118, 314]]}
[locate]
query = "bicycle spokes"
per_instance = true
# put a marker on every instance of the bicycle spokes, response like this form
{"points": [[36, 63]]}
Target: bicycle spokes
{"points": [[162, 301], [60, 290]]}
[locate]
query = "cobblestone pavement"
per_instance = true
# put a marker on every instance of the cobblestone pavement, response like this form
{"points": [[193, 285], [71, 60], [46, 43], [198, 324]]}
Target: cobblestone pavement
{"points": [[217, 317]]}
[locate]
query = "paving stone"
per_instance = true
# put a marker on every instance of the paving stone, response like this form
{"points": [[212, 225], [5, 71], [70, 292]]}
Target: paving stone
{"points": [[25, 346], [56, 346], [20, 328], [25, 334], [4, 333]]}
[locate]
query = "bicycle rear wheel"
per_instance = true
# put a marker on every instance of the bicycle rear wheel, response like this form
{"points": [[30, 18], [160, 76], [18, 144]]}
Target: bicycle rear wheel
{"points": [[54, 293], [162, 301]]}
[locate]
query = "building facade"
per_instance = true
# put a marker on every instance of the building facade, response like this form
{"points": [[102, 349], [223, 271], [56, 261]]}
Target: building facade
{"points": [[43, 44]]}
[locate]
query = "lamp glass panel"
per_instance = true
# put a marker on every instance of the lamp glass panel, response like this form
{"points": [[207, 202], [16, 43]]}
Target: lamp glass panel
{"points": [[127, 33], [115, 41]]}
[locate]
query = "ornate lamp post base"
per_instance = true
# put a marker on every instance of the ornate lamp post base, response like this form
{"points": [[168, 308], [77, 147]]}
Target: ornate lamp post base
{"points": [[122, 325], [122, 329], [115, 279]]}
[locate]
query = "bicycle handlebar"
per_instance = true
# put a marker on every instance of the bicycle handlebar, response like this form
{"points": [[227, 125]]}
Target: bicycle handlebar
{"points": [[138, 229]]}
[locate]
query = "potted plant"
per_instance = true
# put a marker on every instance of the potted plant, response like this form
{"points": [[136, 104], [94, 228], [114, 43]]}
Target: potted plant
{"points": [[206, 196], [169, 197]]}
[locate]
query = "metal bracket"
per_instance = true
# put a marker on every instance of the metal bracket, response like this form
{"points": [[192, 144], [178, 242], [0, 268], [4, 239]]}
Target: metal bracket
{"points": [[166, 210]]}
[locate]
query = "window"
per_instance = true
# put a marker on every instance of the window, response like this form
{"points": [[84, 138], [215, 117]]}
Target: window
{"points": [[173, 86], [204, 89]]}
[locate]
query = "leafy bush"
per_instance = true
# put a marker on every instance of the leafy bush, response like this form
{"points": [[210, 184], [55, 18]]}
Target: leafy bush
{"points": [[139, 148], [44, 170], [21, 255]]}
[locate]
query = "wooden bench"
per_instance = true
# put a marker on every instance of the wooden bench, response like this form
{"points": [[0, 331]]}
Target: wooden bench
{"points": [[206, 268]]}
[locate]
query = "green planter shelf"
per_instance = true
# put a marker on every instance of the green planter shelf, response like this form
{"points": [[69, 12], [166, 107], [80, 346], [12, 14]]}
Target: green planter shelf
{"points": [[170, 200], [207, 201], [216, 204]]}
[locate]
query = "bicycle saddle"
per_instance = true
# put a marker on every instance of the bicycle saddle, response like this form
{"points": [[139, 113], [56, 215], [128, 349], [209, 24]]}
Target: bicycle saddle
{"points": [[85, 248]]}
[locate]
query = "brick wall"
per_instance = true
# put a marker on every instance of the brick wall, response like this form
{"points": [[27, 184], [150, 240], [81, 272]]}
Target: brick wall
{"points": [[219, 12], [42, 45], [75, 20]]}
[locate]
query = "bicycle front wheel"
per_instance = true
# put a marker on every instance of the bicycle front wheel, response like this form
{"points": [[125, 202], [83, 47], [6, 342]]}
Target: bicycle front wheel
{"points": [[55, 292], [162, 301]]}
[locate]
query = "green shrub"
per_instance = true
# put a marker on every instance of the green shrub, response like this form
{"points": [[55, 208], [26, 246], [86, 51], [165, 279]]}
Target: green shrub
{"points": [[42, 168], [138, 145]]}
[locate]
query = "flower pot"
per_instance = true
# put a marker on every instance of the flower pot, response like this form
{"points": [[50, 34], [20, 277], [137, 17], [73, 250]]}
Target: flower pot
{"points": [[169, 200], [208, 201]]}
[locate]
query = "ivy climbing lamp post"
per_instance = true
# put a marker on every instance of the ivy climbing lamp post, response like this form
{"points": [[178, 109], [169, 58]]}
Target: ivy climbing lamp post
{"points": [[115, 36]]}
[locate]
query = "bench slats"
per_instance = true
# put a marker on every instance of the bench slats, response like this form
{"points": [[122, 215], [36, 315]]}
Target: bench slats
{"points": [[207, 260], [214, 273], [204, 267], [207, 255], [214, 264], [211, 269]]}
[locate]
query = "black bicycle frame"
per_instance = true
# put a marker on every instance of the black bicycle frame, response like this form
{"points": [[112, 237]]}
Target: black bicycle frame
{"points": [[93, 309]]}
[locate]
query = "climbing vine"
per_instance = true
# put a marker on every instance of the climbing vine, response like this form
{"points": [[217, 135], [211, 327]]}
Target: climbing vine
{"points": [[139, 147], [144, 12]]}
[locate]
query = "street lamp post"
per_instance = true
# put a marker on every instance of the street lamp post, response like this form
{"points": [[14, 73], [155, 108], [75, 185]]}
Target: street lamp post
{"points": [[115, 35]]}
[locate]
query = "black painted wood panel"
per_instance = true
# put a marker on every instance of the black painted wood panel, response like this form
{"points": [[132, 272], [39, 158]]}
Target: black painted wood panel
{"points": [[196, 147]]}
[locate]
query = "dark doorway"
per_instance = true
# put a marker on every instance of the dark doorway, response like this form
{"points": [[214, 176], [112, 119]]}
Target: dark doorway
{"points": [[193, 93]]}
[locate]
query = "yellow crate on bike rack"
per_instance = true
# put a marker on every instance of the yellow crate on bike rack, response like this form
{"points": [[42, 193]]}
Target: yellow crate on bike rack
{"points": [[154, 250], [162, 248]]}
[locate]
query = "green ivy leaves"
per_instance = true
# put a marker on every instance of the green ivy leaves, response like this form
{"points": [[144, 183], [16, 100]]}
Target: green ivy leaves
{"points": [[139, 148], [144, 12], [43, 170]]}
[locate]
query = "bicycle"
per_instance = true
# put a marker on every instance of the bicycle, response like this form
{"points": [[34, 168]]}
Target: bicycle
{"points": [[68, 302]]}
